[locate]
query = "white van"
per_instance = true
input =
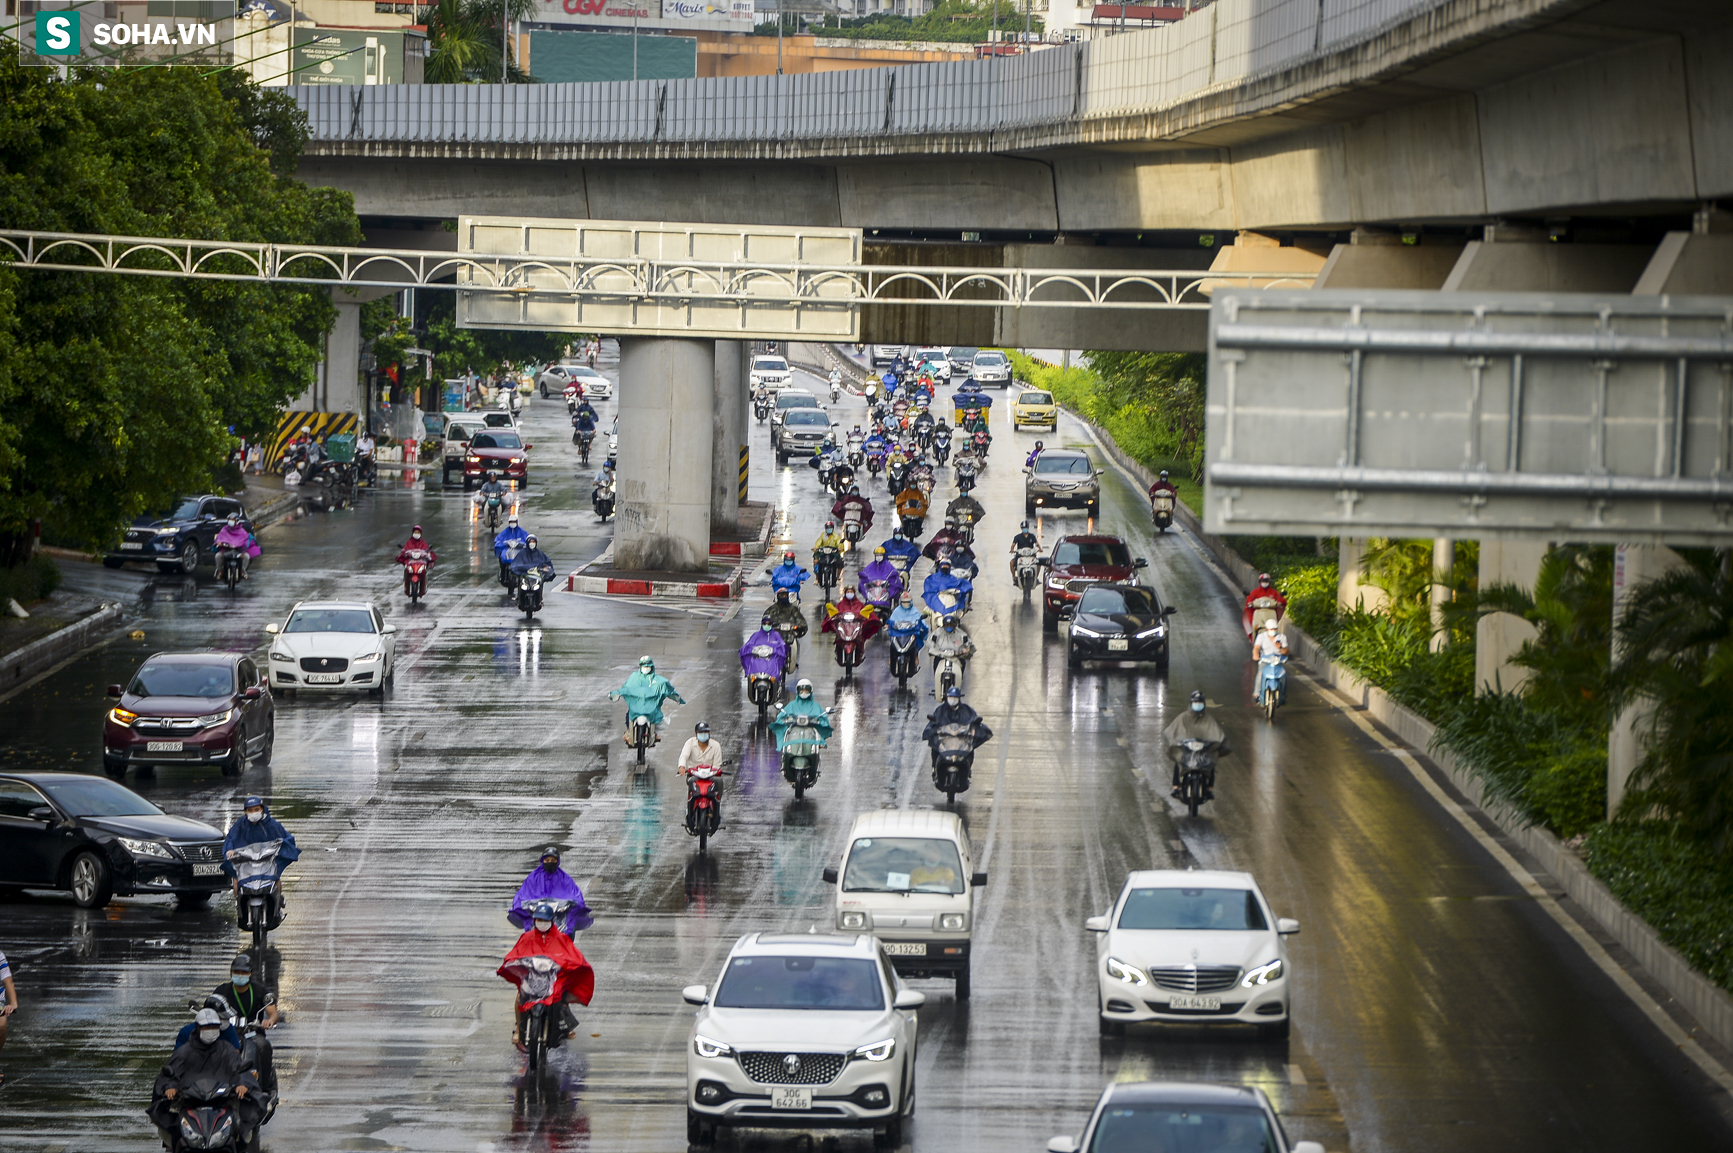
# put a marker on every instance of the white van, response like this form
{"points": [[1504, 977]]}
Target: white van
{"points": [[907, 877]]}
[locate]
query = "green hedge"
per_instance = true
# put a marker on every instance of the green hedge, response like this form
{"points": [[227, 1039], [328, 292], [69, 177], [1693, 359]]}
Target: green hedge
{"points": [[31, 581], [1672, 883]]}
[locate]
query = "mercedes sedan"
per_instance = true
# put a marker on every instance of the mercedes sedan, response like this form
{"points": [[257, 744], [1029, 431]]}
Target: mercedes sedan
{"points": [[802, 1031], [341, 645]]}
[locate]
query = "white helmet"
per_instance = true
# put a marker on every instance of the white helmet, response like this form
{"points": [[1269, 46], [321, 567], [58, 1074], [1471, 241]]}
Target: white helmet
{"points": [[1270, 625]]}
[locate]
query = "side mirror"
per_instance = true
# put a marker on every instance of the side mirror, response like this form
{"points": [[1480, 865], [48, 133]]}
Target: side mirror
{"points": [[829, 875], [1096, 924], [909, 999], [693, 994], [389, 629], [251, 693], [114, 690], [1065, 1145], [1168, 611], [978, 880], [1139, 563], [272, 629], [41, 813], [1287, 926], [1045, 562], [1066, 614]]}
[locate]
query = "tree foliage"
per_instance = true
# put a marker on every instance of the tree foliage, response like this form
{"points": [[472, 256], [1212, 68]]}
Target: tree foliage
{"points": [[118, 392], [466, 38], [951, 22]]}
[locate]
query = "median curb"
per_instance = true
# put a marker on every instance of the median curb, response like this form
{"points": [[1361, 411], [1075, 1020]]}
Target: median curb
{"points": [[44, 653], [595, 578]]}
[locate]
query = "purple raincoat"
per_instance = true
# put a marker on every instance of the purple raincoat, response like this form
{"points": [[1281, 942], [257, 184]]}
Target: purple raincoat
{"points": [[772, 665], [542, 885]]}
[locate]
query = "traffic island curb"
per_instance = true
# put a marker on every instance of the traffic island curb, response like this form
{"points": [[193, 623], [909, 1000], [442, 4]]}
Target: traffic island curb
{"points": [[38, 656], [600, 576]]}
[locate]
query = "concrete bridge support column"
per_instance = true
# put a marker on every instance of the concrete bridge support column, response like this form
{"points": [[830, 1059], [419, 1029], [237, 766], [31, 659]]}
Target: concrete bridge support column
{"points": [[1632, 565], [1351, 591], [730, 435], [1499, 635], [667, 413], [337, 379], [1443, 562]]}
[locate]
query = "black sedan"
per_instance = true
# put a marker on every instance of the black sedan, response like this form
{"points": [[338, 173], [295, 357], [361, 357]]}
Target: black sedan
{"points": [[178, 541], [98, 839], [1117, 622]]}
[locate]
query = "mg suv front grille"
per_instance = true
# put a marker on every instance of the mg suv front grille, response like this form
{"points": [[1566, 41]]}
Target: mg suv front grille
{"points": [[1192, 979], [792, 1068]]}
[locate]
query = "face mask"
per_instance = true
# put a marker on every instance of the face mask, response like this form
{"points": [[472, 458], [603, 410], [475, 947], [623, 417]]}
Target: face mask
{"points": [[208, 1036], [240, 980], [255, 815], [703, 739], [1197, 707], [551, 866], [544, 926]]}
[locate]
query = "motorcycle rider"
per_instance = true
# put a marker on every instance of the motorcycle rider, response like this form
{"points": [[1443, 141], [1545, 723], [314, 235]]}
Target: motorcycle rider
{"points": [[826, 458], [801, 704], [944, 580], [1195, 725], [532, 557], [585, 418], [699, 750], [768, 636], [943, 541], [253, 826], [1163, 485], [954, 712], [365, 446], [205, 1057], [829, 538], [1266, 590], [900, 550], [644, 692], [850, 602], [876, 443], [236, 536], [1023, 539], [577, 980], [912, 503], [416, 541], [506, 545], [549, 882], [785, 612], [254, 1003], [951, 640], [836, 387], [1269, 640], [881, 569], [853, 499], [907, 618], [963, 563], [1035, 453], [965, 503], [491, 487], [604, 479]]}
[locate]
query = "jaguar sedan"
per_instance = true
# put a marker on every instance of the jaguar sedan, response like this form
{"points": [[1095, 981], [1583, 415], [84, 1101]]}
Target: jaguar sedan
{"points": [[97, 839], [333, 645], [1193, 947], [803, 1031], [1182, 1117], [1117, 622]]}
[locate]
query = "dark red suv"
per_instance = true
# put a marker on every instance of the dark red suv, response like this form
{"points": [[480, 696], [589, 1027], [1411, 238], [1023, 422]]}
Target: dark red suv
{"points": [[190, 708], [499, 450], [1078, 562]]}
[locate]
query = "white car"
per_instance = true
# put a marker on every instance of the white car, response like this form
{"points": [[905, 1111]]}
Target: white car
{"points": [[770, 371], [332, 645], [802, 1031], [555, 377], [1194, 947], [937, 360], [1152, 1114], [991, 367]]}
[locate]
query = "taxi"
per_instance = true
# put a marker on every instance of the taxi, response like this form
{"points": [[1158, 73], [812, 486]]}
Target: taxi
{"points": [[1034, 408]]}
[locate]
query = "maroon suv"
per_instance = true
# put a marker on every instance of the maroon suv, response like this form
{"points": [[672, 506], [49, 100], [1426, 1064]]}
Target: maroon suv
{"points": [[1078, 562], [190, 708], [499, 450]]}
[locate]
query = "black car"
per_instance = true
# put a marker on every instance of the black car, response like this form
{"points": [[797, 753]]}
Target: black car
{"points": [[1148, 1115], [98, 839], [178, 541], [1117, 622]]}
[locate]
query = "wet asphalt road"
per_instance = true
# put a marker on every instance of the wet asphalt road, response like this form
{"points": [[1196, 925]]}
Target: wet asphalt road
{"points": [[1436, 1007]]}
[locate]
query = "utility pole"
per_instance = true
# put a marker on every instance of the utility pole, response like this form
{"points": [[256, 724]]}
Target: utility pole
{"points": [[634, 39], [779, 37], [504, 41]]}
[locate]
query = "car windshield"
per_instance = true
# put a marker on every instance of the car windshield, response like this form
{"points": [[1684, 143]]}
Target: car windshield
{"points": [[988, 359], [459, 432], [903, 864], [796, 400], [497, 440], [770, 364], [1108, 601], [330, 621], [1036, 398], [805, 417], [1056, 464], [1140, 1127], [214, 679], [800, 983], [1092, 552], [1236, 910], [185, 510], [95, 797]]}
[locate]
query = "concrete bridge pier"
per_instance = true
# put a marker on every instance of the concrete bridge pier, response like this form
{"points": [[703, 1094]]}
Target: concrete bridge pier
{"points": [[728, 434], [667, 439]]}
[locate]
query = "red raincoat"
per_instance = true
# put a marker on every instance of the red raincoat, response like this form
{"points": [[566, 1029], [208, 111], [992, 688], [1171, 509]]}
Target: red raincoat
{"points": [[412, 543], [576, 976], [1258, 594]]}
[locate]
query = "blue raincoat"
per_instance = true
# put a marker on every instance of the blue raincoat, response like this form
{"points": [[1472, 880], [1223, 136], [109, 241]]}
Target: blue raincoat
{"points": [[788, 575], [753, 665], [542, 885], [910, 619], [245, 832], [510, 536], [644, 695], [796, 707], [941, 582], [904, 548]]}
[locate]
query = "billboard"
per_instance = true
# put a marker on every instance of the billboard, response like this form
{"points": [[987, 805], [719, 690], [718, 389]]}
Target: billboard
{"points": [[715, 15]]}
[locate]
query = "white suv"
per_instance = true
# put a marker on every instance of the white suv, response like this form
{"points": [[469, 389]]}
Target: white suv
{"points": [[770, 371], [991, 367], [1195, 947], [802, 1031]]}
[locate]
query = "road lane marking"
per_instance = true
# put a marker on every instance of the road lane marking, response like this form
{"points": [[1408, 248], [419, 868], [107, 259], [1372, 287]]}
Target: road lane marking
{"points": [[1296, 1075]]}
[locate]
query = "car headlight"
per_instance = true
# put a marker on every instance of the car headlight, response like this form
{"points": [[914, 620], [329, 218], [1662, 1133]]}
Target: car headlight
{"points": [[705, 1047], [1080, 631], [1157, 631], [122, 716], [951, 921], [1130, 974], [279, 655], [1263, 974], [854, 920], [369, 658], [877, 1051], [167, 531], [145, 848], [1055, 582], [211, 720]]}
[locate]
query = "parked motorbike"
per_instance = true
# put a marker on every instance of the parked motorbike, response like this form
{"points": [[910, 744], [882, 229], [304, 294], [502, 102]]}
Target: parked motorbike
{"points": [[1161, 510], [602, 500], [1196, 766], [529, 592], [905, 656], [259, 904], [415, 566], [229, 565], [1272, 683], [1028, 568], [953, 758], [704, 803], [827, 569], [800, 755], [849, 630]]}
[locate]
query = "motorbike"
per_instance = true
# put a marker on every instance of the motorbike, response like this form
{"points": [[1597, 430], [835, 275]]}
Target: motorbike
{"points": [[950, 604], [529, 592], [849, 630], [896, 476], [948, 670], [790, 637], [878, 595], [1272, 683], [229, 565], [826, 470], [800, 755], [252, 1035], [763, 678], [259, 904], [965, 474], [507, 578], [584, 438], [875, 462], [761, 408], [851, 527], [206, 1116], [953, 757], [841, 477], [1028, 568], [942, 447], [827, 569], [1196, 763], [924, 434], [979, 441], [704, 803], [913, 525], [602, 500], [835, 392], [495, 509], [415, 567], [1265, 608], [966, 529], [856, 455], [921, 476], [538, 1005], [561, 906], [905, 656], [643, 735], [1161, 510]]}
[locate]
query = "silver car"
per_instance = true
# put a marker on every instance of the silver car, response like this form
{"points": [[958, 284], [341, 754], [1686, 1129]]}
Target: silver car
{"points": [[1062, 478], [801, 432], [991, 367], [1149, 1114]]}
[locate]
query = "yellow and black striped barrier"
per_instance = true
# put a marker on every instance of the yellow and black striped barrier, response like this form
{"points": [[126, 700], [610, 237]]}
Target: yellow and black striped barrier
{"points": [[745, 459], [290, 424]]}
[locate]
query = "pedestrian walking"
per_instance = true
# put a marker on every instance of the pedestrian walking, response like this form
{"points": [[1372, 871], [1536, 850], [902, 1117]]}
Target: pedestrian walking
{"points": [[8, 1004]]}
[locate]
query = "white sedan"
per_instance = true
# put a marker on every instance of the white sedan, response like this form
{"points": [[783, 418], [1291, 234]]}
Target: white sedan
{"points": [[555, 377], [332, 645], [1193, 947], [802, 1031]]}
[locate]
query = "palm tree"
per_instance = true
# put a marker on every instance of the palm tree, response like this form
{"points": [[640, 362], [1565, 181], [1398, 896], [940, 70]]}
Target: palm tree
{"points": [[1572, 608], [467, 37], [1676, 645]]}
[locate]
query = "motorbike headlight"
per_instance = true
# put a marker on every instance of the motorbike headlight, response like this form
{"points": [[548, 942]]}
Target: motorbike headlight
{"points": [[189, 1130], [705, 1047], [221, 1136], [145, 848], [854, 920], [122, 716], [369, 658], [1263, 974], [951, 921], [1130, 974], [211, 720], [877, 1051]]}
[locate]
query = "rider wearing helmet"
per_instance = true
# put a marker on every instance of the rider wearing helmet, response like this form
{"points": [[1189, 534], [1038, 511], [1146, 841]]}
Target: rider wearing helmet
{"points": [[1195, 725], [416, 541], [803, 703], [952, 711], [1266, 597], [644, 692]]}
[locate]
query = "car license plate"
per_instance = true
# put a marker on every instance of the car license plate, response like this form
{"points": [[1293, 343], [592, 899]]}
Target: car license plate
{"points": [[1118, 646], [790, 1097], [164, 746], [131, 544], [1181, 1002], [206, 870], [909, 949], [324, 678]]}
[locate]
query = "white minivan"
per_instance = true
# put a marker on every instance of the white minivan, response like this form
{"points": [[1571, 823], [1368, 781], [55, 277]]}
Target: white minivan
{"points": [[907, 877]]}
